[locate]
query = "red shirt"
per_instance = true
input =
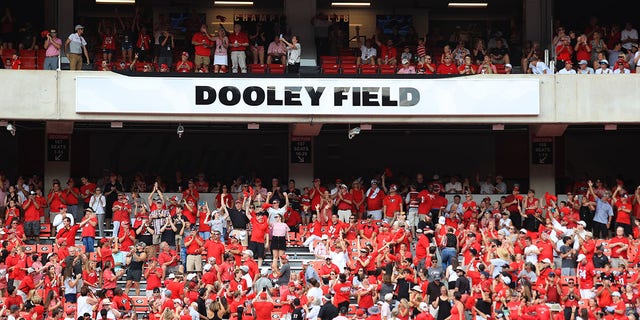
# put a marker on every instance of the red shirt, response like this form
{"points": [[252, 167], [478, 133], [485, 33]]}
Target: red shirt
{"points": [[343, 291], [108, 42], [31, 213], [87, 190], [69, 234], [447, 69], [154, 278], [194, 247], [89, 230], [184, 66], [614, 251], [214, 249], [263, 310], [204, 46], [392, 202], [143, 41], [375, 202], [241, 38], [258, 229], [70, 197], [127, 242], [342, 205]]}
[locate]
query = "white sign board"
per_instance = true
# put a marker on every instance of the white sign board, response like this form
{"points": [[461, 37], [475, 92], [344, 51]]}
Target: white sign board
{"points": [[460, 96]]}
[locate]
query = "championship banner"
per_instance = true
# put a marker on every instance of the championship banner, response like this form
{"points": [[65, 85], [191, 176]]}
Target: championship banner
{"points": [[460, 96]]}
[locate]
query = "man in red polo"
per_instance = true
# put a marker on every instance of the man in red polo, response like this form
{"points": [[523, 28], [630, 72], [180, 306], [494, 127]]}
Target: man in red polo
{"points": [[375, 197], [202, 42], [238, 42]]}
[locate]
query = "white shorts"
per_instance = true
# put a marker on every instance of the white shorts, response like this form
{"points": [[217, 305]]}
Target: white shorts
{"points": [[587, 294], [220, 60]]}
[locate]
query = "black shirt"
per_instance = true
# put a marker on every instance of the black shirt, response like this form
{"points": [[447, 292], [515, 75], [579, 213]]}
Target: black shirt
{"points": [[403, 288], [238, 218], [433, 290], [298, 314], [463, 285], [328, 311]]}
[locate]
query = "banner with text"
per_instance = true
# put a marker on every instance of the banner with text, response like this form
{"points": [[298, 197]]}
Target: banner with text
{"points": [[468, 96]]}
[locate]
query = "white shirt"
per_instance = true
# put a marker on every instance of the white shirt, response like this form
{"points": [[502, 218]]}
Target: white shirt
{"points": [[456, 186], [539, 68], [97, 203], [565, 71], [273, 211], [604, 71], [293, 54], [531, 254], [587, 70], [57, 221], [367, 53], [620, 70], [314, 293], [628, 34], [340, 259]]}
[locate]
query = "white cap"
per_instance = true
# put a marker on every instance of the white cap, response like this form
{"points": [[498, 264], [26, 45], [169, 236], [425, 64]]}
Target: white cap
{"points": [[546, 260], [388, 296], [424, 307], [506, 279], [442, 220], [508, 65], [191, 276], [523, 230], [207, 267], [264, 271], [584, 224], [581, 257], [171, 276], [324, 237], [615, 294], [417, 289]]}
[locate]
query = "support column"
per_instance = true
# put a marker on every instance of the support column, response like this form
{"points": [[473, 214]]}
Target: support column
{"points": [[301, 160], [542, 171], [57, 154], [299, 15], [538, 19]]}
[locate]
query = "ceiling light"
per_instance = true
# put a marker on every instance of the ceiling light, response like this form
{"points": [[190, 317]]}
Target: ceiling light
{"points": [[497, 127], [365, 126], [253, 126], [180, 130], [611, 127], [233, 3], [468, 4], [117, 124], [116, 1], [350, 4]]}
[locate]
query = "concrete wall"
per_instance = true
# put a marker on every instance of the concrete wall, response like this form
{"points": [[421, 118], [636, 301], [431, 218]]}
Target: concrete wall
{"points": [[50, 95]]}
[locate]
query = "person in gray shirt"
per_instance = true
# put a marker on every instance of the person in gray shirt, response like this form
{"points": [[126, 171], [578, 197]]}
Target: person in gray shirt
{"points": [[284, 273]]}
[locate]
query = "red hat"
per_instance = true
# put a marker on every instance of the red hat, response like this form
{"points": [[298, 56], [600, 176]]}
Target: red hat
{"points": [[109, 294], [164, 65], [360, 312], [62, 205], [284, 256], [292, 284], [263, 295], [266, 206], [184, 53], [516, 188], [70, 309], [338, 180]]}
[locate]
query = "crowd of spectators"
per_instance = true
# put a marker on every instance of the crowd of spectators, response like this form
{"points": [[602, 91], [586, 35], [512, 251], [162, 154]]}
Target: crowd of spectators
{"points": [[381, 248], [145, 45]]}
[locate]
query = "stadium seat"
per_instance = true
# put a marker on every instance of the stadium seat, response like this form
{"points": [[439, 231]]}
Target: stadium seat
{"points": [[500, 68], [257, 68], [7, 53], [348, 59], [44, 248], [30, 248], [276, 315], [368, 69], [45, 230], [330, 68], [28, 63], [350, 68], [346, 52], [276, 69], [28, 53], [328, 60], [387, 69], [140, 304]]}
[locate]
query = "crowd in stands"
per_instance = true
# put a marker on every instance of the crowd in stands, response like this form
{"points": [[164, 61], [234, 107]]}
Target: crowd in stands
{"points": [[377, 249], [142, 44]]}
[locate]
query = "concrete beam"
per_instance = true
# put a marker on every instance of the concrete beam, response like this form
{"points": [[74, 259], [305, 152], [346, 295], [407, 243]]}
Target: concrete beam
{"points": [[549, 130], [306, 129]]}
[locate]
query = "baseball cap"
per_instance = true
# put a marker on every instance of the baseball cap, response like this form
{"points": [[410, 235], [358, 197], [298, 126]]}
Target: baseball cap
{"points": [[405, 61], [508, 65], [191, 276], [207, 267], [424, 307], [546, 260], [604, 61], [79, 26], [583, 62], [582, 223], [581, 257], [32, 192], [615, 294], [417, 289], [171, 276], [184, 53]]}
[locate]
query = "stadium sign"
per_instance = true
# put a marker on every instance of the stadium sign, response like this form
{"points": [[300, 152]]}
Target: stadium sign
{"points": [[463, 96]]}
